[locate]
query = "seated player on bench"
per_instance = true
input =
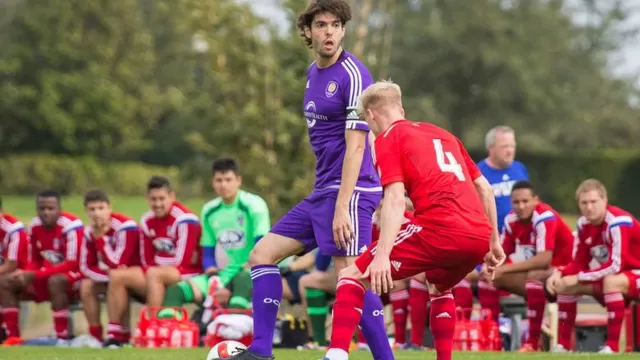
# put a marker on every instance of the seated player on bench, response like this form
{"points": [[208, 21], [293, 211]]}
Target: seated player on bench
{"points": [[536, 241], [169, 252], [606, 264], [54, 271], [111, 241]]}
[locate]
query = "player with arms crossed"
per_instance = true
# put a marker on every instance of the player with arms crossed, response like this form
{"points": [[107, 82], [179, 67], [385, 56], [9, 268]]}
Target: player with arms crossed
{"points": [[346, 183], [454, 227], [606, 263], [536, 240], [54, 273], [233, 221], [110, 242], [14, 255], [169, 252]]}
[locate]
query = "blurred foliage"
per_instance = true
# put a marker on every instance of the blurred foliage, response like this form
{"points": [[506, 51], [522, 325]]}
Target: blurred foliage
{"points": [[177, 83]]}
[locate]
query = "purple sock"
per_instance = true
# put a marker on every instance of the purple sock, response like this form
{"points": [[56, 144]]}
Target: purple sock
{"points": [[372, 324], [267, 294]]}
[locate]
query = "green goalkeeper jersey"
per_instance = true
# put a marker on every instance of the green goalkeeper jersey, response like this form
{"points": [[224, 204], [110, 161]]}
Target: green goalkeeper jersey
{"points": [[235, 228]]}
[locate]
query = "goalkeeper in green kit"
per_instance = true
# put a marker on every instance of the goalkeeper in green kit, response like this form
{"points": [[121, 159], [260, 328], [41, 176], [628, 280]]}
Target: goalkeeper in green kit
{"points": [[232, 222]]}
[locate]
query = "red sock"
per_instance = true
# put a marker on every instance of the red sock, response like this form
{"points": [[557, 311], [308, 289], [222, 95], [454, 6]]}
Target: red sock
{"points": [[489, 298], [114, 331], [400, 304], [11, 317], [61, 323], [463, 297], [616, 309], [418, 299], [361, 338], [443, 323], [347, 311], [567, 311], [96, 332], [536, 300]]}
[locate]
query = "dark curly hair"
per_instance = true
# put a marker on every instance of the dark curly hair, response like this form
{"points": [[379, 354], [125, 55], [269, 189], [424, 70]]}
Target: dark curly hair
{"points": [[339, 8]]}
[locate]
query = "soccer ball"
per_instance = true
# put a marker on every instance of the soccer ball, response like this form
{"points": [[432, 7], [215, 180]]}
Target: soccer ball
{"points": [[225, 349]]}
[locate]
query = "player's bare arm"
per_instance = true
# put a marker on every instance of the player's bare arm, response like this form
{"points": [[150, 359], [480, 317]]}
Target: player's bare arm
{"points": [[391, 216], [496, 255], [356, 144], [540, 261]]}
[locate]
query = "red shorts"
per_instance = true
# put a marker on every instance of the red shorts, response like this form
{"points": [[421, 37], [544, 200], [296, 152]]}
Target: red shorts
{"points": [[444, 257], [38, 290], [634, 286]]}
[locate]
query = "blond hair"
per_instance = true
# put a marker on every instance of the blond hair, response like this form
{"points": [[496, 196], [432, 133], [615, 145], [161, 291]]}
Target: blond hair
{"points": [[382, 93], [591, 185]]}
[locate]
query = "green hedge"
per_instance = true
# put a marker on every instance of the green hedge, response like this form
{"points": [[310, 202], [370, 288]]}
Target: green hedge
{"points": [[30, 173], [557, 175]]}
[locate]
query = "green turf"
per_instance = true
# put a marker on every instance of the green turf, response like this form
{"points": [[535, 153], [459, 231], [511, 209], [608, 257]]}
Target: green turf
{"points": [[24, 207], [24, 353]]}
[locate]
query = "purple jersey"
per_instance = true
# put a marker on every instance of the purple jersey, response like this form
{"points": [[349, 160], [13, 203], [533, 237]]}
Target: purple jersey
{"points": [[330, 101]]}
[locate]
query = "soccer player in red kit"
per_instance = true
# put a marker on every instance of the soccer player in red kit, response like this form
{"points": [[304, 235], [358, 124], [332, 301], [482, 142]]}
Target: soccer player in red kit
{"points": [[110, 242], [169, 252], [455, 225], [14, 254], [606, 262], [54, 273], [536, 241]]}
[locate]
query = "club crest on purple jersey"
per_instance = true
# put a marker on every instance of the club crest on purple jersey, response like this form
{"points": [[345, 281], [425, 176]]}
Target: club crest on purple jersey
{"points": [[332, 88]]}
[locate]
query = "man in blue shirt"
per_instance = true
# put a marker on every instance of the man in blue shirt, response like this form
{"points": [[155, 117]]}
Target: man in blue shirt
{"points": [[502, 171]]}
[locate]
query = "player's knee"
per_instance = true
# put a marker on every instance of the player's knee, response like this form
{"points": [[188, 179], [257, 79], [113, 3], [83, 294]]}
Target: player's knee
{"points": [[261, 256], [615, 283], [154, 274], [57, 283], [350, 272]]}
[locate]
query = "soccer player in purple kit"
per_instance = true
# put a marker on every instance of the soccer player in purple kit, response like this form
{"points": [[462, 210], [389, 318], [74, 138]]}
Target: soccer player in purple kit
{"points": [[346, 185]]}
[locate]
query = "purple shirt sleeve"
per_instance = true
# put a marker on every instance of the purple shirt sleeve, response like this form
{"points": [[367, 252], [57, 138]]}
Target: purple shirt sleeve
{"points": [[357, 79]]}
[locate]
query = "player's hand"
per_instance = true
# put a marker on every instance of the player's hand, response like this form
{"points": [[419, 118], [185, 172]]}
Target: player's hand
{"points": [[552, 283], [342, 228], [211, 270], [484, 274], [569, 281], [379, 272], [494, 258]]}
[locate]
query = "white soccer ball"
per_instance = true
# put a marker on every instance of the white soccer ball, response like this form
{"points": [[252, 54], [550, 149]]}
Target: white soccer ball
{"points": [[225, 349]]}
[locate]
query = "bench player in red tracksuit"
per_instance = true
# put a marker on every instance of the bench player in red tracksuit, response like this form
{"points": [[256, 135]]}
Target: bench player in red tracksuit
{"points": [[536, 241], [169, 252], [111, 241], [54, 272], [606, 263], [14, 255]]}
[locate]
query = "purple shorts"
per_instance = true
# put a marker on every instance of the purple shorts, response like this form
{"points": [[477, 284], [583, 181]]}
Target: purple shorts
{"points": [[311, 221]]}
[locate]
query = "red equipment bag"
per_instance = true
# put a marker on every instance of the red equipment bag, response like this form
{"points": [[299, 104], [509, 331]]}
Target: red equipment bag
{"points": [[212, 339], [476, 335], [174, 332]]}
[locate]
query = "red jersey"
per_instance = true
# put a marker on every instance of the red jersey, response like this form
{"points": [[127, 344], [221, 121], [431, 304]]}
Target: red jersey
{"points": [[546, 231], [437, 173], [118, 247], [606, 249], [14, 243], [375, 233], [56, 250], [173, 240]]}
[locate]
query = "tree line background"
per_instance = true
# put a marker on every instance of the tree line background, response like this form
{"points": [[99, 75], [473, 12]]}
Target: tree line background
{"points": [[106, 93]]}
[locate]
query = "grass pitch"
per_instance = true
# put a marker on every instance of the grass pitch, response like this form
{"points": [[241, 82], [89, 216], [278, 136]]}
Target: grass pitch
{"points": [[47, 353]]}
